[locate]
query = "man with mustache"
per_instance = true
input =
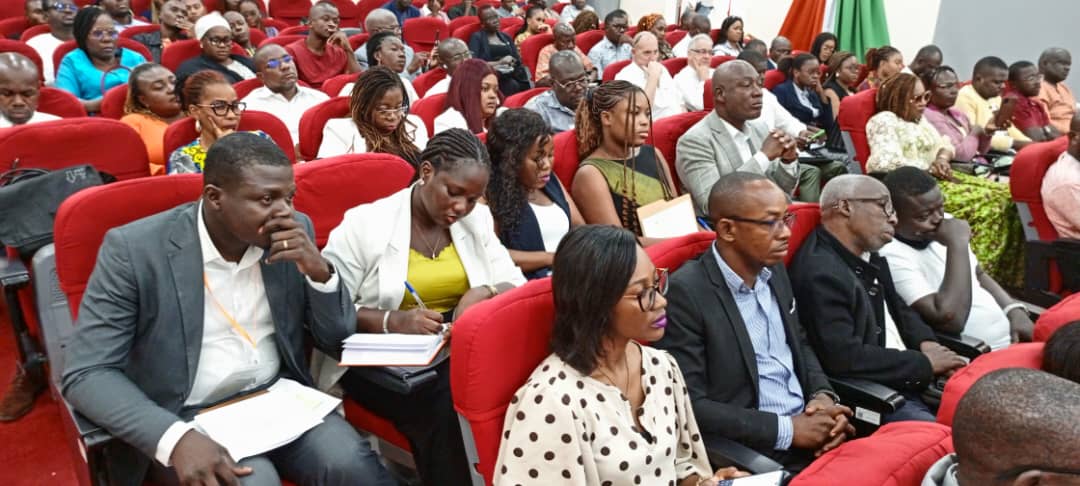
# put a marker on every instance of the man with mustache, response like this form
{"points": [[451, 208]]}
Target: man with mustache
{"points": [[280, 95]]}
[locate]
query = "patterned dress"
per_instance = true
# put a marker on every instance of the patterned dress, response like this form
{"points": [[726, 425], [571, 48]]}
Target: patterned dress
{"points": [[191, 158]]}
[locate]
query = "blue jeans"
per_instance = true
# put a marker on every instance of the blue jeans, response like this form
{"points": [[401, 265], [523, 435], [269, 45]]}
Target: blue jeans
{"points": [[913, 409]]}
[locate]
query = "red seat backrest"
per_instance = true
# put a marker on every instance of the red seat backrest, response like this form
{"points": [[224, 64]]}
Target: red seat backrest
{"points": [[364, 7], [530, 50], [1025, 183], [13, 26], [460, 22], [326, 188], [421, 33], [513, 22], [1022, 355], [282, 39], [613, 69], [897, 454], [84, 218], [355, 41], [177, 52], [566, 162], [774, 78], [558, 7], [425, 81], [466, 31], [807, 217], [718, 60], [112, 104], [131, 45], [8, 45], [351, 12], [182, 132], [34, 31], [245, 87], [855, 111], [708, 101], [333, 86], [586, 40], [294, 30], [58, 102], [674, 65], [314, 119], [135, 30], [518, 100], [1062, 313], [673, 252], [290, 11], [256, 37], [63, 143], [674, 36], [428, 109], [665, 134]]}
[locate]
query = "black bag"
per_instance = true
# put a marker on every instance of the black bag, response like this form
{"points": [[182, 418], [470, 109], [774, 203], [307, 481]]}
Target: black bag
{"points": [[404, 379], [29, 199]]}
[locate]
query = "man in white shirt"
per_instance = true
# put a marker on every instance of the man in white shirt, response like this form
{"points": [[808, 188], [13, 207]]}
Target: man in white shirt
{"points": [[936, 273], [61, 18], [571, 11], [120, 11], [691, 80], [699, 24], [280, 95], [19, 91], [646, 71], [451, 53], [615, 46], [241, 287]]}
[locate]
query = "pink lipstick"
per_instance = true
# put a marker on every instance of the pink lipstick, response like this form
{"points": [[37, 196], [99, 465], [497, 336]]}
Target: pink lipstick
{"points": [[660, 323]]}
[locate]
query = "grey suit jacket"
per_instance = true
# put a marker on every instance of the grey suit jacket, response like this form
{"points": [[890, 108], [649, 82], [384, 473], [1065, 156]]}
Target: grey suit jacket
{"points": [[132, 359], [706, 152]]}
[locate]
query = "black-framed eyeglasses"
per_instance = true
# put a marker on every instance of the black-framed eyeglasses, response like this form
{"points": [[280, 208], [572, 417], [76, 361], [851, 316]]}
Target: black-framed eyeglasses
{"points": [[62, 7], [574, 83], [788, 219], [101, 34], [277, 63], [646, 299], [221, 108], [218, 41], [885, 203]]}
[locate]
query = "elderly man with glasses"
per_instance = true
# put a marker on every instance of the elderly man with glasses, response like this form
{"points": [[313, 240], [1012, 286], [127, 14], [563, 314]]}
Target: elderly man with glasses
{"points": [[569, 80], [565, 40]]}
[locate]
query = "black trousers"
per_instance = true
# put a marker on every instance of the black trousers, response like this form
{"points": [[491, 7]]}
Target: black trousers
{"points": [[427, 418]]}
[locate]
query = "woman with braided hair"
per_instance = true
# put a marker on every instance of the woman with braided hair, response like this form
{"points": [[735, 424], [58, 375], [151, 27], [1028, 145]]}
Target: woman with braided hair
{"points": [[618, 171], [152, 104], [531, 208], [379, 121], [434, 236]]}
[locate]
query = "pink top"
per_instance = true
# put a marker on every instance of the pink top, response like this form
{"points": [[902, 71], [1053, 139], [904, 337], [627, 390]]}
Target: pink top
{"points": [[1061, 196], [956, 126]]}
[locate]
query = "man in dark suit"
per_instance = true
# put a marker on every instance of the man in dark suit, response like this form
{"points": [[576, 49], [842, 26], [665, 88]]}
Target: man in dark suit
{"points": [[860, 327], [735, 333], [157, 340]]}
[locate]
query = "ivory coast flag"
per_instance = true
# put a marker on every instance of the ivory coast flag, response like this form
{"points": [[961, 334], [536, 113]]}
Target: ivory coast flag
{"points": [[858, 24]]}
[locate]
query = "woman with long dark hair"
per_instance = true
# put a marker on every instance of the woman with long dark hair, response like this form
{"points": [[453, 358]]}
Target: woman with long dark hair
{"points": [[379, 120], [472, 98], [730, 42], [98, 63], [534, 24], [824, 46], [840, 82]]}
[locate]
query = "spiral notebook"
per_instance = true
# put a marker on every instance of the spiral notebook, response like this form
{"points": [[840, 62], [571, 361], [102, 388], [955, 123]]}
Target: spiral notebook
{"points": [[367, 349]]}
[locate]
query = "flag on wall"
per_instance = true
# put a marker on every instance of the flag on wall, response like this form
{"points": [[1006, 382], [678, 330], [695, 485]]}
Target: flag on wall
{"points": [[858, 24], [804, 21]]}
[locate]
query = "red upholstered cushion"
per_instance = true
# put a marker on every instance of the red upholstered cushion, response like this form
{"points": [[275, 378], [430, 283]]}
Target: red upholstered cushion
{"points": [[586, 40], [1023, 355], [428, 109], [898, 454], [112, 104], [135, 30], [182, 132], [63, 104], [674, 36], [807, 217], [13, 26], [773, 78], [63, 143], [282, 39], [666, 133], [34, 31], [566, 157], [1025, 183], [460, 22], [855, 111], [672, 253], [1064, 312], [496, 345], [8, 45], [83, 219], [363, 419], [674, 65], [314, 119], [518, 100], [333, 86], [245, 87], [613, 69], [355, 41], [530, 50], [466, 31], [294, 30], [708, 102], [421, 33], [718, 60], [425, 81], [290, 11], [179, 51], [326, 188], [364, 7]]}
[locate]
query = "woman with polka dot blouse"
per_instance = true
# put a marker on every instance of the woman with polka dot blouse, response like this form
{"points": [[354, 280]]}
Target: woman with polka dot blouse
{"points": [[602, 409]]}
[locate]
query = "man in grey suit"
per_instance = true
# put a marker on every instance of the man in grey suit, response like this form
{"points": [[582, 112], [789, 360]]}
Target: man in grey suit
{"points": [[157, 341], [730, 139]]}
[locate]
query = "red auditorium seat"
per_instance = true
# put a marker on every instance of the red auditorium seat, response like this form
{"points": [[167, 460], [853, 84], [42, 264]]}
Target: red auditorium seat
{"points": [[35, 146], [613, 69], [355, 41], [718, 60], [58, 102], [674, 65], [586, 40], [428, 109], [256, 37], [708, 100], [460, 22], [673, 252], [518, 100], [177, 52], [364, 7], [112, 104], [313, 121], [514, 22], [774, 78], [1062, 313], [245, 87], [807, 217], [8, 45], [275, 23], [665, 134], [135, 30], [466, 31], [294, 30], [68, 46], [675, 36], [855, 111], [289, 11], [13, 26], [282, 39], [333, 86], [566, 162], [425, 81], [898, 454], [530, 50], [558, 7], [423, 33], [1023, 355], [182, 131], [34, 31]]}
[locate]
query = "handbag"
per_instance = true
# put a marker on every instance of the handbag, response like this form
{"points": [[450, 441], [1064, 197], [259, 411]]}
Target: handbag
{"points": [[29, 199], [404, 380]]}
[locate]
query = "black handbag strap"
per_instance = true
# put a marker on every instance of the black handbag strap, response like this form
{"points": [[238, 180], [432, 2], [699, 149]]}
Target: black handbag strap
{"points": [[16, 175]]}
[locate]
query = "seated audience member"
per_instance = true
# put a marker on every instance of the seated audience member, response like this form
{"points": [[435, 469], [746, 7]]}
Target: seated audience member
{"points": [[34, 10], [246, 242], [534, 24], [531, 208], [731, 139], [509, 8], [757, 45], [19, 90], [927, 59], [1055, 95], [615, 46], [656, 24], [779, 49], [730, 304], [773, 115], [564, 41], [967, 141], [652, 77], [215, 37], [900, 136], [858, 324], [690, 81], [467, 8], [618, 172], [935, 272], [1061, 355], [981, 100], [434, 8], [1061, 187], [152, 104], [241, 33], [802, 94], [382, 20], [445, 247], [120, 11], [569, 81], [228, 6], [325, 52], [61, 19], [386, 49], [281, 95], [731, 37], [253, 14], [994, 443], [699, 24], [195, 9], [450, 54], [685, 18], [379, 121], [840, 81], [472, 98], [608, 296], [211, 101], [402, 9], [573, 9], [497, 49], [1030, 116], [174, 26], [823, 47], [585, 21], [98, 63], [883, 63], [549, 14]]}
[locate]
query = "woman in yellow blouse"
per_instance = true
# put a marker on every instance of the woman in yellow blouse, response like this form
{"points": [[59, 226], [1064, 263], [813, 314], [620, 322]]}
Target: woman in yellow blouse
{"points": [[152, 104], [534, 24]]}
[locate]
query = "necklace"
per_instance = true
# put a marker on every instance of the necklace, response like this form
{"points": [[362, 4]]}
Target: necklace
{"points": [[431, 248], [626, 389]]}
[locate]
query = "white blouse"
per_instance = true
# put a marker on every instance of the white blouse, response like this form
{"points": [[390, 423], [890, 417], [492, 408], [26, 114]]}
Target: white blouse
{"points": [[553, 223], [565, 428], [340, 137]]}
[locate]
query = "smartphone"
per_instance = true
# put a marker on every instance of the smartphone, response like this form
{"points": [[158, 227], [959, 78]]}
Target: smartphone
{"points": [[774, 478], [1005, 113]]}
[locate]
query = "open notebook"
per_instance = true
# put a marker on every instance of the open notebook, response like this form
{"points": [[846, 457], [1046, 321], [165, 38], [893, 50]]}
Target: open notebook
{"points": [[367, 349]]}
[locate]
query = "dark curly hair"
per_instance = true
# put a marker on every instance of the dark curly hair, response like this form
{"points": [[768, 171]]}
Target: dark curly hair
{"points": [[509, 142], [586, 21], [369, 88], [1061, 355], [820, 41]]}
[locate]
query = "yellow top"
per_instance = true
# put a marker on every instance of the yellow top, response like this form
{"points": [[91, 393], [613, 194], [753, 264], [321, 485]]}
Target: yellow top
{"points": [[981, 111], [440, 283]]}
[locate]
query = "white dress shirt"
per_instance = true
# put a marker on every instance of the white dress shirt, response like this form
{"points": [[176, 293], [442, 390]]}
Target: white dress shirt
{"points": [[288, 111], [774, 115], [438, 88], [667, 101], [804, 99], [37, 117], [340, 137], [682, 48], [692, 88], [742, 143], [45, 45]]}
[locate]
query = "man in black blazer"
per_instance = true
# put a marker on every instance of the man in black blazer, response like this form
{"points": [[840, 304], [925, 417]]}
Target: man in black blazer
{"points": [[734, 330], [860, 327]]}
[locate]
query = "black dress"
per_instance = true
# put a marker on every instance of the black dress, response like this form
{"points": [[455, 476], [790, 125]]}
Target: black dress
{"points": [[835, 142]]}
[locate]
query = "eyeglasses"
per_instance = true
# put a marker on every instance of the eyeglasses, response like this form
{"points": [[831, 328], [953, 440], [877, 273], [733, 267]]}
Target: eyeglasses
{"points": [[885, 203], [700, 51], [619, 27], [62, 7], [101, 34], [923, 98], [277, 63], [1033, 77], [219, 41], [388, 112], [574, 83], [788, 219], [221, 108], [646, 299]]}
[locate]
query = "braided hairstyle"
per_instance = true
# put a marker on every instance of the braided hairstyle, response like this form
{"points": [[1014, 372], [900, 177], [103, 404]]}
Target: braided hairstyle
{"points": [[509, 142], [453, 148], [895, 95], [369, 88]]}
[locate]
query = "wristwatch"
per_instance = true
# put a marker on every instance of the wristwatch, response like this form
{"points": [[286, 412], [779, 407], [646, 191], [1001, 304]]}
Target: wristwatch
{"points": [[835, 398]]}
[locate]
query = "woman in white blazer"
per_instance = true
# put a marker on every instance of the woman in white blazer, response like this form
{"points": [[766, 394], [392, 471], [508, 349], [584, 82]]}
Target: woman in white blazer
{"points": [[433, 235], [378, 120]]}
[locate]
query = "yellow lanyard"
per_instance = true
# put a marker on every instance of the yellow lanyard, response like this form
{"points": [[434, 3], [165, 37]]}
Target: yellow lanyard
{"points": [[228, 317]]}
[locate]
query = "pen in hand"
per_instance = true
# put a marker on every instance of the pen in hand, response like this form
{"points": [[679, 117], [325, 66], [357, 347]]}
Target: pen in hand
{"points": [[444, 328]]}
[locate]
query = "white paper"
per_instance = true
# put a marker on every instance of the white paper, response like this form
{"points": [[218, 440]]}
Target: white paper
{"points": [[265, 422], [671, 222], [766, 479], [367, 349]]}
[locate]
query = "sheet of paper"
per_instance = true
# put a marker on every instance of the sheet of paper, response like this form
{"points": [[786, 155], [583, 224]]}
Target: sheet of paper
{"points": [[668, 219], [265, 422], [766, 479], [391, 349]]}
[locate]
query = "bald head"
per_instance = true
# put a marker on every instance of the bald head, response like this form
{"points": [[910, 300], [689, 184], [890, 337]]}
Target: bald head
{"points": [[736, 94], [645, 48], [563, 28], [19, 81], [451, 53], [17, 66], [735, 193], [1018, 420], [847, 186], [728, 73], [779, 49], [857, 210], [266, 53], [1055, 64], [380, 20], [699, 24], [321, 7]]}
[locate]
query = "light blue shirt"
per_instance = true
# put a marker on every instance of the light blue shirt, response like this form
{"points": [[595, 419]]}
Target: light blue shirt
{"points": [[779, 390], [604, 53], [78, 76], [557, 116]]}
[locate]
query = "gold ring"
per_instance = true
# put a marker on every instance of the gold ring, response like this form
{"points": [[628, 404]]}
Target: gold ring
{"points": [[285, 244]]}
